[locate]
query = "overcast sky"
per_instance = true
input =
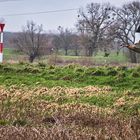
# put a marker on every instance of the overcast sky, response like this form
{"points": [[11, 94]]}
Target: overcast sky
{"points": [[49, 20]]}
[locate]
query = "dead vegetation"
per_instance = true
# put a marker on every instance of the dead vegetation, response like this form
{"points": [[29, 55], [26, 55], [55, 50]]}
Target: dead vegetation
{"points": [[57, 114]]}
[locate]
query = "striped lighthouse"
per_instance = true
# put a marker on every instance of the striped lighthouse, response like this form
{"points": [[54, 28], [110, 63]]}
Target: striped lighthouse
{"points": [[1, 41]]}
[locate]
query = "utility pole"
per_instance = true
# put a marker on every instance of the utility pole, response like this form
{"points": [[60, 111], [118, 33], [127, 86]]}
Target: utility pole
{"points": [[1, 41]]}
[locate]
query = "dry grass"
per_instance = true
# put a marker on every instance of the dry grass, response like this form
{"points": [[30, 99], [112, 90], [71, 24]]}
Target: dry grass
{"points": [[55, 114], [101, 130]]}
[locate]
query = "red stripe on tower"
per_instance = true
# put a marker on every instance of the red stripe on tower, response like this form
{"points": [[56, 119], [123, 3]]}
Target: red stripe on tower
{"points": [[1, 27], [1, 41], [1, 47]]}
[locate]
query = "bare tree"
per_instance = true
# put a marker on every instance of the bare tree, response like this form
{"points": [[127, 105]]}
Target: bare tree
{"points": [[94, 22], [127, 22], [84, 41], [57, 42], [75, 44], [65, 36], [31, 40]]}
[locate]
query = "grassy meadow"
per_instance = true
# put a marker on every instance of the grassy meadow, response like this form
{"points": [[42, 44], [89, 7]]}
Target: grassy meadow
{"points": [[11, 56], [69, 102]]}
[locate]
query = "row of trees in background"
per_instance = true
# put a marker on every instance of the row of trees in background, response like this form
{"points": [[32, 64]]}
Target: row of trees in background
{"points": [[99, 27], [106, 25]]}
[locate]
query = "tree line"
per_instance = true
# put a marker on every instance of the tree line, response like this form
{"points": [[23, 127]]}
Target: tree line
{"points": [[99, 27]]}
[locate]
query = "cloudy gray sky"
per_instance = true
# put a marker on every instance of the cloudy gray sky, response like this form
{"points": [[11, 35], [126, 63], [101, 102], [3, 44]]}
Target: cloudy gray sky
{"points": [[50, 20]]}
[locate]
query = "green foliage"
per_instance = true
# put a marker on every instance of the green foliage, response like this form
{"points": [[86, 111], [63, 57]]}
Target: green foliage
{"points": [[20, 122], [135, 74], [133, 94], [100, 100], [51, 67], [30, 70], [4, 122], [111, 72], [64, 100], [47, 98], [79, 69], [41, 64], [129, 109], [71, 76], [99, 72]]}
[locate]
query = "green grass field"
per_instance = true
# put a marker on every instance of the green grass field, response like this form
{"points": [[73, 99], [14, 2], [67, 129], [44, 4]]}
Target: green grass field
{"points": [[121, 77], [10, 54], [69, 102]]}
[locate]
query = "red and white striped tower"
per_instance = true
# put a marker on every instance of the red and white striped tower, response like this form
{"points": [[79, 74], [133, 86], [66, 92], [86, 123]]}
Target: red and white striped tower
{"points": [[1, 41]]}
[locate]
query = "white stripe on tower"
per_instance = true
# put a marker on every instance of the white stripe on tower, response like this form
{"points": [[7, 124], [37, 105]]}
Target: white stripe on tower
{"points": [[1, 39]]}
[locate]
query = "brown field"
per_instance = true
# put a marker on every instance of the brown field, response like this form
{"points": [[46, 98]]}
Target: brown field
{"points": [[56, 114]]}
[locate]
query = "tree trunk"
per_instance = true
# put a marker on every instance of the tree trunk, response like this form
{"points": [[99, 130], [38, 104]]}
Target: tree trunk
{"points": [[31, 58], [90, 51], [133, 57], [66, 51], [86, 51], [76, 51]]}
